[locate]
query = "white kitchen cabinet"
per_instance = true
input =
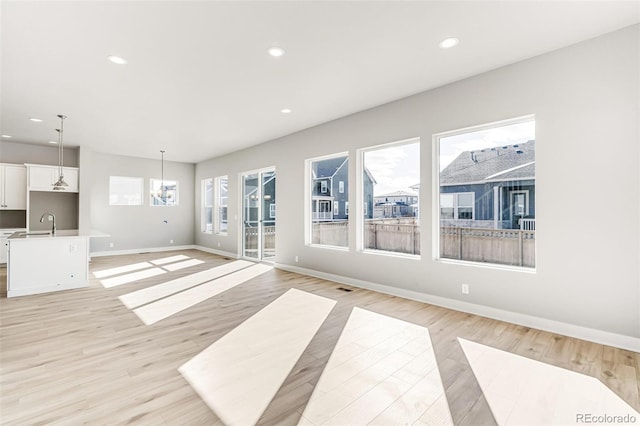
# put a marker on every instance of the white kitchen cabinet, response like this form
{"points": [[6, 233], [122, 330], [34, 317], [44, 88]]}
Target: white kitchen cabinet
{"points": [[13, 187], [42, 177], [4, 235], [40, 264]]}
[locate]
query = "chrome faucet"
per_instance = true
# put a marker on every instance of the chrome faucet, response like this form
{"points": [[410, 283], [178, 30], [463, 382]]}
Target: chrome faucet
{"points": [[53, 228]]}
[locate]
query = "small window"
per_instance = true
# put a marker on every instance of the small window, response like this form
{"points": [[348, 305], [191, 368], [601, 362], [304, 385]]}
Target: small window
{"points": [[125, 191], [272, 211], [346, 208], [457, 206], [222, 185], [328, 183], [389, 174], [207, 206], [163, 193]]}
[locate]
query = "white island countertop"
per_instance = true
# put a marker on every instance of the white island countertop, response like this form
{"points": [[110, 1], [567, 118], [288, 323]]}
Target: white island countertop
{"points": [[39, 262], [59, 233]]}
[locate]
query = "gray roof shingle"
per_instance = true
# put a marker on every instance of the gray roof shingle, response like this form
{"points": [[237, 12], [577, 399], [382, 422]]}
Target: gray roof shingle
{"points": [[507, 162]]}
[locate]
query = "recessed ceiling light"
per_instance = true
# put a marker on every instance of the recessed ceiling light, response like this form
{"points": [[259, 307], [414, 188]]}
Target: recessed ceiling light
{"points": [[53, 142], [117, 60], [276, 51], [6, 136], [35, 120], [448, 43], [285, 111]]}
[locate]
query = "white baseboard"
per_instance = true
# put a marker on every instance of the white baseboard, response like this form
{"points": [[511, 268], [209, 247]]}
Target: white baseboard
{"points": [[585, 333], [218, 252], [139, 250], [159, 249]]}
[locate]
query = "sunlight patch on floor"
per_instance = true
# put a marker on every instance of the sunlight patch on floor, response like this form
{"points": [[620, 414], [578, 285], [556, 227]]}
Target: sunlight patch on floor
{"points": [[169, 259], [146, 270], [159, 291], [169, 306], [382, 371], [239, 375], [121, 269], [522, 391], [182, 265], [129, 278]]}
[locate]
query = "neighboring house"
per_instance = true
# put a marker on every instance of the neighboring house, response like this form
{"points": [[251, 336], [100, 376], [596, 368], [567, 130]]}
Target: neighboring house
{"points": [[268, 201], [330, 191], [395, 204], [490, 188]]}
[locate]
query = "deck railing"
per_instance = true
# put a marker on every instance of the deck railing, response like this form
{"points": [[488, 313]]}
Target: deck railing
{"points": [[528, 224]]}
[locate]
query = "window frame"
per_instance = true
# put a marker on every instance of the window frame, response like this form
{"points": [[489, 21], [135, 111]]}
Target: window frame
{"points": [[308, 200], [141, 193], [177, 199], [362, 207], [204, 206], [435, 199], [217, 205], [456, 204]]}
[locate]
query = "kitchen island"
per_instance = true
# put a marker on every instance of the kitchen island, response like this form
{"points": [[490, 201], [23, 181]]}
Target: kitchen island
{"points": [[39, 262]]}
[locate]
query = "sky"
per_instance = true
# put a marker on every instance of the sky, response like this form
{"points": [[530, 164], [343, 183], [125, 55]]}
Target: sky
{"points": [[396, 168], [452, 146]]}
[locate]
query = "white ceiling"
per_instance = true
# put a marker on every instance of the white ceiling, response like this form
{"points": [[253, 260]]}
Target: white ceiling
{"points": [[200, 83]]}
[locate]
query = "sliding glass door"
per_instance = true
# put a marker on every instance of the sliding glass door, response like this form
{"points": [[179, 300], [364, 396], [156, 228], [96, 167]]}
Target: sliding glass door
{"points": [[259, 214]]}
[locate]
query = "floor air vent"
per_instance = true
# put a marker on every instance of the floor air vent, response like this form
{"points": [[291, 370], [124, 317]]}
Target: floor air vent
{"points": [[344, 289]]}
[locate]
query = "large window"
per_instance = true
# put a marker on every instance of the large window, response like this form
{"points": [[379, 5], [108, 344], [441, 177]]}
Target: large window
{"points": [[163, 192], [125, 191], [222, 186], [487, 184], [329, 188], [389, 201], [207, 206]]}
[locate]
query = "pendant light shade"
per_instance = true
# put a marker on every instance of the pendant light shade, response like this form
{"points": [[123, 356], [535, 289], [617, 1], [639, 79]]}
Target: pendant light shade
{"points": [[60, 184]]}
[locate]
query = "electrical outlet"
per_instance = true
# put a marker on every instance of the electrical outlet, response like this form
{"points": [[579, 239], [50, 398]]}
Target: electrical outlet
{"points": [[219, 244], [170, 241], [465, 288], [110, 245], [296, 259]]}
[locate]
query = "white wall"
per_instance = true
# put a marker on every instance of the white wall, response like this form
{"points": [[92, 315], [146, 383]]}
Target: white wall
{"points": [[586, 102], [136, 227]]}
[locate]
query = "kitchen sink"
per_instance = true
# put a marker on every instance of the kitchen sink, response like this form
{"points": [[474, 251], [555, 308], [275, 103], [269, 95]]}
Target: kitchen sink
{"points": [[35, 234]]}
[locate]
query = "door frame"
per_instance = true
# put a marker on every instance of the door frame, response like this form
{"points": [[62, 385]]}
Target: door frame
{"points": [[241, 210], [512, 207]]}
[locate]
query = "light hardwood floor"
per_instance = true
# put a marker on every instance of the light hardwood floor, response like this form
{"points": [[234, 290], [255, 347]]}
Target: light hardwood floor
{"points": [[82, 356]]}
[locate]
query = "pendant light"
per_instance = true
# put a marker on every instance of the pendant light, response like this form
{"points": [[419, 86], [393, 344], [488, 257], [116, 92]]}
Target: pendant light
{"points": [[60, 185]]}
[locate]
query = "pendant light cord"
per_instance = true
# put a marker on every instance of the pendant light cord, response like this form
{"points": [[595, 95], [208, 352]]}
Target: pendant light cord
{"points": [[61, 146]]}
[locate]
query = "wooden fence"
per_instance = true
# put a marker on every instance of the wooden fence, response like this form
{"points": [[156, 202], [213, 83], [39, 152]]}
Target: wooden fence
{"points": [[331, 233], [504, 246], [396, 237]]}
